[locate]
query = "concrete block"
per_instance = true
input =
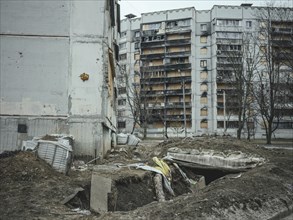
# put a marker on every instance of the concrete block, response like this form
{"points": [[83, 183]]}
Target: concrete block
{"points": [[100, 187]]}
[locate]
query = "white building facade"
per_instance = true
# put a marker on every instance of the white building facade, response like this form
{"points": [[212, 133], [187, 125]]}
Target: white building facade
{"points": [[201, 49], [58, 67]]}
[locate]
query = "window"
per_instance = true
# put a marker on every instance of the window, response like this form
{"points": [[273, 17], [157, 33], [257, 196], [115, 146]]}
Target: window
{"points": [[203, 87], [204, 123], [123, 34], [136, 45], [122, 102], [122, 46], [228, 22], [233, 35], [203, 75], [121, 113], [283, 125], [203, 27], [136, 34], [203, 63], [203, 51], [248, 24], [203, 39], [123, 56], [203, 100], [152, 26], [121, 124], [203, 112], [136, 56], [122, 90]]}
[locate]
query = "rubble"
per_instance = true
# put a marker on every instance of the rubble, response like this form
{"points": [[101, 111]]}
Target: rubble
{"points": [[115, 189]]}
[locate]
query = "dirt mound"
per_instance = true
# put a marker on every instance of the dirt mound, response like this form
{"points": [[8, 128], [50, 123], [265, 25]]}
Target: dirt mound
{"points": [[25, 166], [31, 188]]}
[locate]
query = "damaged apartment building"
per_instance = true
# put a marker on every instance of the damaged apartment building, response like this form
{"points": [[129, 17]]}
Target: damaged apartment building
{"points": [[58, 66], [180, 61]]}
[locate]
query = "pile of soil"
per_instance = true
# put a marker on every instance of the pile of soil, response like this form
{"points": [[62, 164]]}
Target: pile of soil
{"points": [[30, 188]]}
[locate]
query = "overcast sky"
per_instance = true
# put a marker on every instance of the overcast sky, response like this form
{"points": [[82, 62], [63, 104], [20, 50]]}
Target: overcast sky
{"points": [[143, 6]]}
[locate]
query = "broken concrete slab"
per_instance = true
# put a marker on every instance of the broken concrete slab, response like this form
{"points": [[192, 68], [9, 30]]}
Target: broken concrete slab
{"points": [[100, 187], [232, 160]]}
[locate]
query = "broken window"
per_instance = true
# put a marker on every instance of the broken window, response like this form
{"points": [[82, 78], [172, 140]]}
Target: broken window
{"points": [[203, 39], [203, 51], [204, 75]]}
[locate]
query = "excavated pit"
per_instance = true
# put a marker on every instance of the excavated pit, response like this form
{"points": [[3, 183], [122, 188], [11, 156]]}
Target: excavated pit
{"points": [[127, 187], [123, 189]]}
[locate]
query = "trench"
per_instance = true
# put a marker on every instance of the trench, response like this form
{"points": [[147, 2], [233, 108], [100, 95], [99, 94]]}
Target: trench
{"points": [[132, 192]]}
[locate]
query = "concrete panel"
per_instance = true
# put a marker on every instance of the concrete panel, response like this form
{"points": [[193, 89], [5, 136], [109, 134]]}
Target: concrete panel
{"points": [[85, 96], [153, 17], [11, 139], [87, 18], [35, 17], [34, 75], [180, 13], [100, 187], [88, 136], [8, 135], [227, 12]]}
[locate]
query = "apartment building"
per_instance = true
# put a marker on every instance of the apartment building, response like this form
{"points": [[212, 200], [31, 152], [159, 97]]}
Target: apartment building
{"points": [[58, 65], [189, 61]]}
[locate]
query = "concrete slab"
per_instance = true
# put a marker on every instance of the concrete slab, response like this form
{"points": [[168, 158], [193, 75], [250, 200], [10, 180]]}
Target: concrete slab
{"points": [[100, 187]]}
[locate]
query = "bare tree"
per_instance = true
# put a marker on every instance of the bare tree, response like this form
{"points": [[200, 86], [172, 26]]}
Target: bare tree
{"points": [[276, 56], [141, 111], [241, 59]]}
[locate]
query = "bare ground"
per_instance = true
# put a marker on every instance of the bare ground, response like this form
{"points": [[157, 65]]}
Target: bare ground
{"points": [[30, 189]]}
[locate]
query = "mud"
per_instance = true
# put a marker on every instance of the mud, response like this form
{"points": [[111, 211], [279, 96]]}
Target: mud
{"points": [[31, 189]]}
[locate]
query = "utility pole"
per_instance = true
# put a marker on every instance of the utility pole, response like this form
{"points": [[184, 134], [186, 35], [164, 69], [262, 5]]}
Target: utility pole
{"points": [[184, 107], [224, 103]]}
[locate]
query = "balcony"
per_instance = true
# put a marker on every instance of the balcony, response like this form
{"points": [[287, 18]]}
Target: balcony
{"points": [[152, 56], [178, 30], [229, 41], [176, 92], [171, 105], [179, 42], [186, 79], [152, 44], [177, 54], [166, 67]]}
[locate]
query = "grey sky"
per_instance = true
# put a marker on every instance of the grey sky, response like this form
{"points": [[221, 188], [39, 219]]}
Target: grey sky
{"points": [[142, 6]]}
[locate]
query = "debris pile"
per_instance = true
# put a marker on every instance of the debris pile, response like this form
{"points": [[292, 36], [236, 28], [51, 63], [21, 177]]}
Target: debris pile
{"points": [[200, 178]]}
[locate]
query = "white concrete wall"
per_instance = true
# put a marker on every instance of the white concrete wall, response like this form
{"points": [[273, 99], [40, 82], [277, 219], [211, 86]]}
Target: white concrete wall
{"points": [[45, 46], [85, 96], [34, 75], [33, 17]]}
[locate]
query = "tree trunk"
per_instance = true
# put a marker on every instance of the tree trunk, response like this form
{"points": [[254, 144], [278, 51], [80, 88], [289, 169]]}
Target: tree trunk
{"points": [[159, 188], [269, 133]]}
